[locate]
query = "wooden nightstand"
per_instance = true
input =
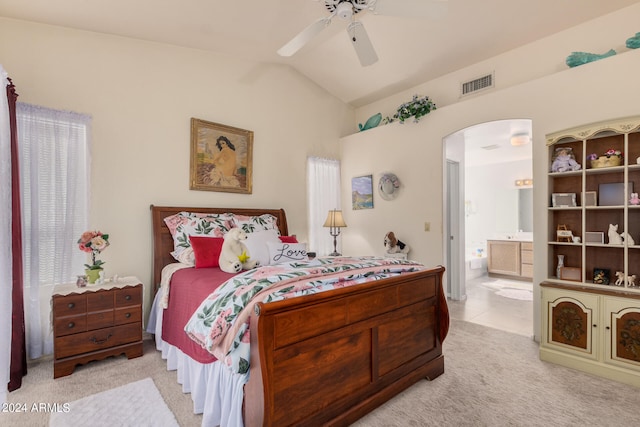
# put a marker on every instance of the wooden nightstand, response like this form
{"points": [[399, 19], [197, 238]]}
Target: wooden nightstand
{"points": [[96, 322]]}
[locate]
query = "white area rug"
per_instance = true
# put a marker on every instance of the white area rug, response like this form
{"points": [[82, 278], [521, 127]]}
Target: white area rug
{"points": [[135, 404], [511, 289], [521, 294]]}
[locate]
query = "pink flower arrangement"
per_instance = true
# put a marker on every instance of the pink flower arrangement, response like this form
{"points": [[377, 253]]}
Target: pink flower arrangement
{"points": [[93, 242], [610, 152]]}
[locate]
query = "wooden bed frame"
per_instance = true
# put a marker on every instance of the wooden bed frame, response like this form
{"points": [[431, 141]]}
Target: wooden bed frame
{"points": [[332, 357]]}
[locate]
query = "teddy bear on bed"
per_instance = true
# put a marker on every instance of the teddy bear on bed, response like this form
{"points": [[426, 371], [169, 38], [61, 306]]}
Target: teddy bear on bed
{"points": [[234, 256], [395, 246]]}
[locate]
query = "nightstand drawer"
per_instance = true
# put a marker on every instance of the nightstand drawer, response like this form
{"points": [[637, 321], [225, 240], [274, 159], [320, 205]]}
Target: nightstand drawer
{"points": [[86, 342], [70, 325], [128, 315], [99, 319], [128, 296], [69, 305], [101, 300]]}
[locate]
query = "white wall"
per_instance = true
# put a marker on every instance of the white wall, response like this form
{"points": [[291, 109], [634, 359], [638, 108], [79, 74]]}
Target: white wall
{"points": [[536, 60], [142, 96], [593, 92]]}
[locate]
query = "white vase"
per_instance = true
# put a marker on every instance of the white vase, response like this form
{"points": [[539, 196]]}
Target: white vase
{"points": [[560, 265]]}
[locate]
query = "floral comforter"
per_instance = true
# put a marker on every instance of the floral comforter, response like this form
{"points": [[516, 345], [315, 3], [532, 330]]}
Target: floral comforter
{"points": [[221, 323]]}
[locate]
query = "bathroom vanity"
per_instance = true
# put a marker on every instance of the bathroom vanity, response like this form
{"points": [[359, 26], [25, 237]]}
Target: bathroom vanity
{"points": [[510, 257]]}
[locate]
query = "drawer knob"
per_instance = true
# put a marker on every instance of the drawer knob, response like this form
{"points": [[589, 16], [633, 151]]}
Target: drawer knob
{"points": [[127, 297], [71, 305], [71, 325], [99, 342], [128, 315]]}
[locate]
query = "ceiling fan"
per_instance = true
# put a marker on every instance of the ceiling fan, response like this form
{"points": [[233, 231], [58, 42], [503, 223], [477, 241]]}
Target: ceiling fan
{"points": [[347, 10]]}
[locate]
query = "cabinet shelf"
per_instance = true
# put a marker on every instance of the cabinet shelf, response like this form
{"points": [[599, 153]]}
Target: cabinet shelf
{"points": [[565, 208], [565, 244], [603, 245], [565, 174], [610, 169], [604, 208]]}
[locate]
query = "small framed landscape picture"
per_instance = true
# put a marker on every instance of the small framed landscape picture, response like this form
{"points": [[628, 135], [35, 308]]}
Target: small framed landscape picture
{"points": [[601, 276], [362, 192], [590, 198], [571, 273], [563, 200], [594, 237]]}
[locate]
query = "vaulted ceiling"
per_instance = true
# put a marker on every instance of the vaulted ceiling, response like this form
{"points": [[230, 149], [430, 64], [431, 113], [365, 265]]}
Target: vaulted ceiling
{"points": [[410, 50]]}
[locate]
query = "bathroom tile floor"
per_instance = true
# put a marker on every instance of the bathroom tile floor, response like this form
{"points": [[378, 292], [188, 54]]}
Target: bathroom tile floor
{"points": [[486, 306]]}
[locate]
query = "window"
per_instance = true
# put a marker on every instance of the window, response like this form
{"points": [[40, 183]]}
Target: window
{"points": [[54, 181], [323, 192]]}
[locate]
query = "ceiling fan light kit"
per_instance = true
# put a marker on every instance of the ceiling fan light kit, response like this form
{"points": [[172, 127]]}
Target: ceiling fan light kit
{"points": [[346, 11]]}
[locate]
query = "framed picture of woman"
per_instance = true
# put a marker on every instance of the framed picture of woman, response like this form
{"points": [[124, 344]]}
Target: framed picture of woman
{"points": [[221, 157]]}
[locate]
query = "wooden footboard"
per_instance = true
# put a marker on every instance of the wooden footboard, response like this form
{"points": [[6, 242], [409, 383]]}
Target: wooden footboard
{"points": [[330, 358]]}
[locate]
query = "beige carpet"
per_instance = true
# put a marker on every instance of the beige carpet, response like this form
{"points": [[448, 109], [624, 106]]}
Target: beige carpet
{"points": [[492, 378]]}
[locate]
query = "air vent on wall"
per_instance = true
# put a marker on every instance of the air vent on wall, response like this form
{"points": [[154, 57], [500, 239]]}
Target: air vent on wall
{"points": [[478, 84]]}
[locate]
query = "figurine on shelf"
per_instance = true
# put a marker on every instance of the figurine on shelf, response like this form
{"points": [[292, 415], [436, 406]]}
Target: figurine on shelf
{"points": [[631, 281], [564, 160], [634, 200], [620, 278], [614, 237], [627, 238], [601, 276]]}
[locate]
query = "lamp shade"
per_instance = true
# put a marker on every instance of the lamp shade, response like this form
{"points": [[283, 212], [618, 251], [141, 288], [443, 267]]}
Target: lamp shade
{"points": [[334, 219]]}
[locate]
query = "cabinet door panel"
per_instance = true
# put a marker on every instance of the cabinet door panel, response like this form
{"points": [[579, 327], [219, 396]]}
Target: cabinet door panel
{"points": [[503, 257], [572, 319], [623, 328]]}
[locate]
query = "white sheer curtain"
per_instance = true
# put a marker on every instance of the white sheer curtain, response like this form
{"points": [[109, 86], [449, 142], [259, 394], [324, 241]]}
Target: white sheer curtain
{"points": [[54, 173], [323, 192], [6, 277]]}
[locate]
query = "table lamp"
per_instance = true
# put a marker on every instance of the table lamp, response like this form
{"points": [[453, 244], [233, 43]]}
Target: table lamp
{"points": [[334, 222]]}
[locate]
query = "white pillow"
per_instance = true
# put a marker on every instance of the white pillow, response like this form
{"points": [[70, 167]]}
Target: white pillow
{"points": [[285, 252], [257, 244], [187, 257]]}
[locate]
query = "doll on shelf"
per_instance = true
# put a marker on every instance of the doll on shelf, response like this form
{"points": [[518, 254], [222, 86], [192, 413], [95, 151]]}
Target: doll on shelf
{"points": [[564, 160]]}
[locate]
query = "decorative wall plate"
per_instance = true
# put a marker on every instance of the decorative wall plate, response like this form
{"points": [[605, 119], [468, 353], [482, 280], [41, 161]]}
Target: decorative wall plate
{"points": [[389, 186]]}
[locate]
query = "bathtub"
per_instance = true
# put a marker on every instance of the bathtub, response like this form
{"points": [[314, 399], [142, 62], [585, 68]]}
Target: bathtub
{"points": [[475, 263]]}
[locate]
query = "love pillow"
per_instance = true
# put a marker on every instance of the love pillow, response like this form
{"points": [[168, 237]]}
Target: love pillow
{"points": [[286, 252]]}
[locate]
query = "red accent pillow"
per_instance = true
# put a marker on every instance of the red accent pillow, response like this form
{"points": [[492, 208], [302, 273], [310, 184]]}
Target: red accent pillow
{"points": [[206, 250], [288, 239]]}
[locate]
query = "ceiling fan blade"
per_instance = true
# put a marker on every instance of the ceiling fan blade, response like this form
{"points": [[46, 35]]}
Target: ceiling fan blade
{"points": [[412, 8], [304, 37], [361, 43]]}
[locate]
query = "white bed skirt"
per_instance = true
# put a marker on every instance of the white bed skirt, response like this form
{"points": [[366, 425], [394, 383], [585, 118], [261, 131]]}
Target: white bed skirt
{"points": [[217, 393]]}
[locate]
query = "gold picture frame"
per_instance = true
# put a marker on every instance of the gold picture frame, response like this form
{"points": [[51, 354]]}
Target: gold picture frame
{"points": [[221, 158]]}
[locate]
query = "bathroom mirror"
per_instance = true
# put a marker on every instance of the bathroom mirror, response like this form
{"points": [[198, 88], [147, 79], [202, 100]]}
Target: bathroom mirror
{"points": [[525, 209]]}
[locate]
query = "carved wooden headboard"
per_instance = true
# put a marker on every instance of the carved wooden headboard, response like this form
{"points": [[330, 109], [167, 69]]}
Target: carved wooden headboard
{"points": [[163, 242]]}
